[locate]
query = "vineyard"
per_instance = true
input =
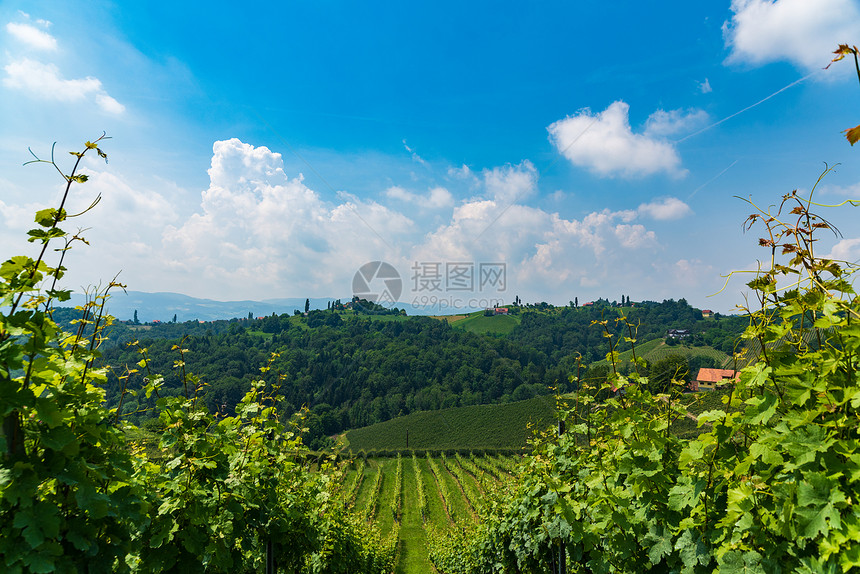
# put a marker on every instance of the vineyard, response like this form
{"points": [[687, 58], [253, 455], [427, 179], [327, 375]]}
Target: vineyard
{"points": [[474, 428], [412, 499]]}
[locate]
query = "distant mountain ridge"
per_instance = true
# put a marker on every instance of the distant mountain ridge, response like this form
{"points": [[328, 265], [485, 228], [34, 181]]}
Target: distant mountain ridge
{"points": [[163, 306]]}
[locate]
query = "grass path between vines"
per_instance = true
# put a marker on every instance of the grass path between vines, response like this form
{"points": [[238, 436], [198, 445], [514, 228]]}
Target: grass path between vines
{"points": [[414, 557]]}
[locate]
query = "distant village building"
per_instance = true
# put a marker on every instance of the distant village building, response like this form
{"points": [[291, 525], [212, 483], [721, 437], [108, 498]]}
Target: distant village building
{"points": [[678, 333], [707, 314], [500, 311], [710, 379]]}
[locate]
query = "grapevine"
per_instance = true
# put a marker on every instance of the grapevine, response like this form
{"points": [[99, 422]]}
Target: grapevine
{"points": [[468, 465], [352, 493], [485, 466], [371, 507], [443, 488], [466, 486], [396, 507], [422, 493], [767, 486]]}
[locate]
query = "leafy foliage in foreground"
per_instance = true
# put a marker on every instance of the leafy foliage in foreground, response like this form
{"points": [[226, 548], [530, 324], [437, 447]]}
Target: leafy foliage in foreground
{"points": [[771, 485], [77, 496]]}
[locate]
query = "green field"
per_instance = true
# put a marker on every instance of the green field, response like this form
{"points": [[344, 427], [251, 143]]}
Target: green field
{"points": [[483, 325], [504, 426]]}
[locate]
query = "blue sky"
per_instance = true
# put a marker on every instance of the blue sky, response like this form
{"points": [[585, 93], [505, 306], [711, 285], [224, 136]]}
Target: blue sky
{"points": [[264, 151]]}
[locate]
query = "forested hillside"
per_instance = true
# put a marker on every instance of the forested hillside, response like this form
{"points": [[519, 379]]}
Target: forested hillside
{"points": [[568, 330], [355, 370]]}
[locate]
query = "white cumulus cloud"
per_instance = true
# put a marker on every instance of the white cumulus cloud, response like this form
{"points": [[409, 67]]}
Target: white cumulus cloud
{"points": [[688, 272], [31, 37], [665, 209], [44, 81], [846, 250], [663, 123], [605, 144], [849, 190], [633, 236], [511, 182], [436, 198], [259, 228], [802, 32]]}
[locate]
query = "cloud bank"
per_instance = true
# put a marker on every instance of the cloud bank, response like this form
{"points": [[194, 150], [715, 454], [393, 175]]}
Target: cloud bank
{"points": [[259, 228]]}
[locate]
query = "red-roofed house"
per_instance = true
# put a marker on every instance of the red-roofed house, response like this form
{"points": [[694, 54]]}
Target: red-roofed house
{"points": [[710, 379]]}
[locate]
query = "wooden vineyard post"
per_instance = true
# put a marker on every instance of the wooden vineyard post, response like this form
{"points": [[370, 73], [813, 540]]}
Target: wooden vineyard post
{"points": [[270, 558]]}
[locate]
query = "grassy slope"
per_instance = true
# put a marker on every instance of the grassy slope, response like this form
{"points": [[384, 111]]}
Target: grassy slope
{"points": [[482, 325], [449, 318], [474, 427], [413, 540], [385, 510]]}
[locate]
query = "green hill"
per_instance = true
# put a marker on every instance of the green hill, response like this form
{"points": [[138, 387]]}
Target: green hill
{"points": [[504, 426], [483, 325], [481, 427], [657, 349]]}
